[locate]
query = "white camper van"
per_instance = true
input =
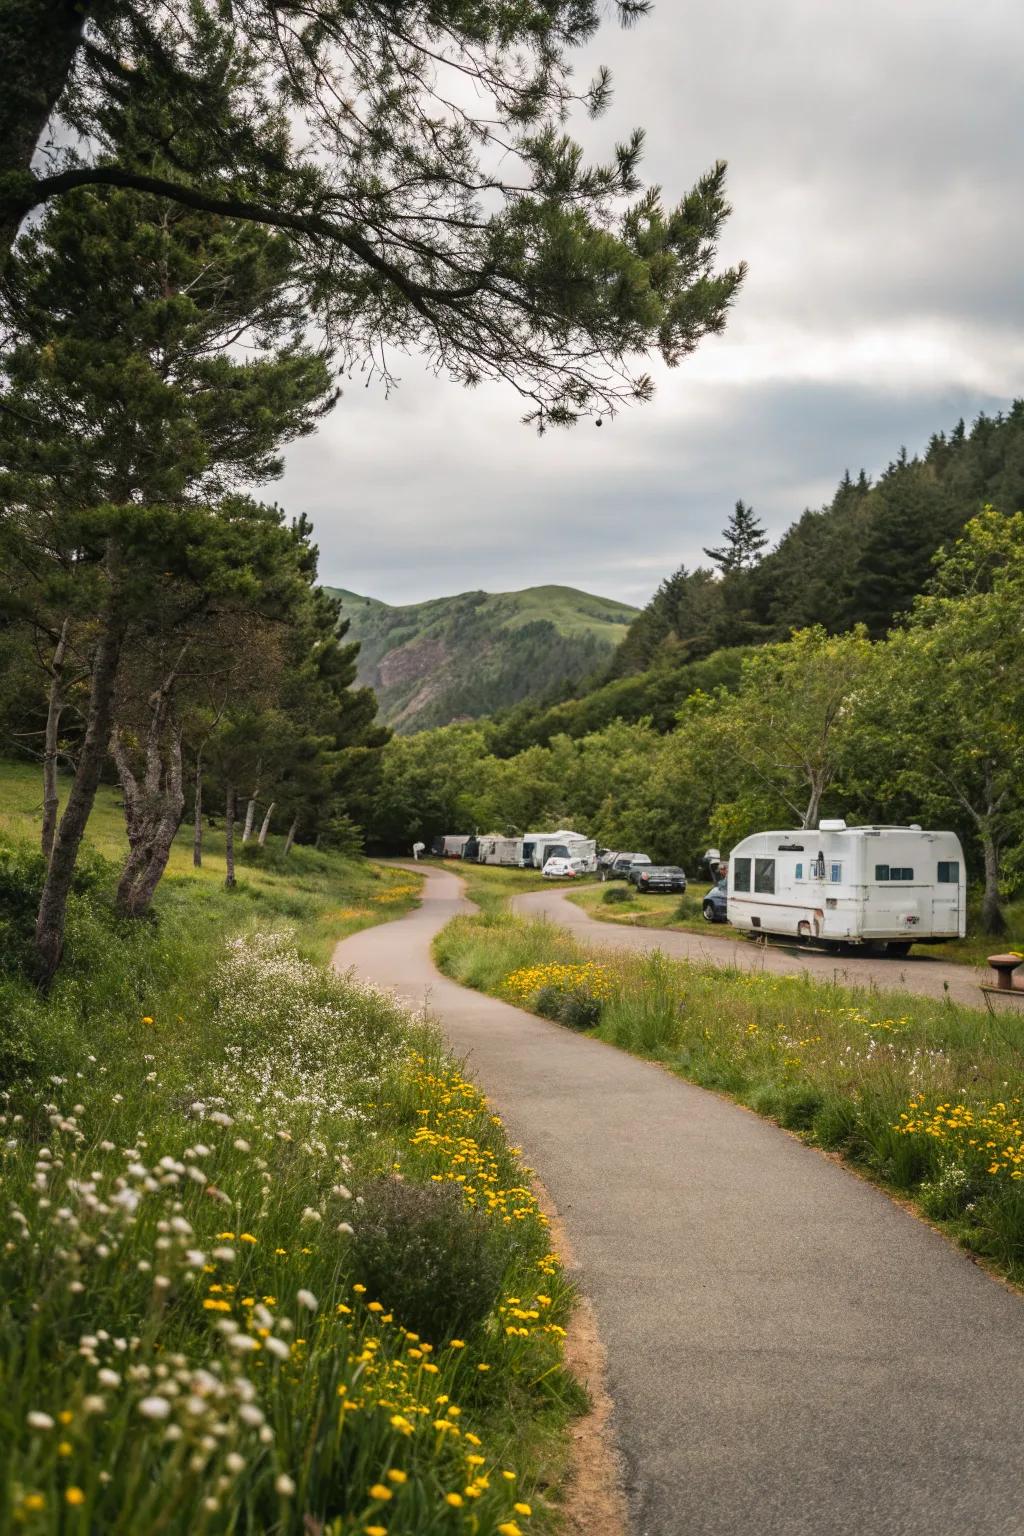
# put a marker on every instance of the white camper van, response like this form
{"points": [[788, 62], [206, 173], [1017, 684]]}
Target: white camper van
{"points": [[538, 847], [453, 847], [884, 886]]}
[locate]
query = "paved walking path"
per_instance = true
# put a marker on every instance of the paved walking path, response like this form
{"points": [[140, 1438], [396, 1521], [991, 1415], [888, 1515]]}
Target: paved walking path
{"points": [[789, 1351], [925, 974]]}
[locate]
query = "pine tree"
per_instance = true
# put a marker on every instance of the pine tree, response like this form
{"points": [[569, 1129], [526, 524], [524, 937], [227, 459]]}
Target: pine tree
{"points": [[125, 317], [745, 540], [368, 134]]}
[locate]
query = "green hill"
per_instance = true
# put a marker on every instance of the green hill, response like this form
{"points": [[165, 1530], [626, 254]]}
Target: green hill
{"points": [[454, 658]]}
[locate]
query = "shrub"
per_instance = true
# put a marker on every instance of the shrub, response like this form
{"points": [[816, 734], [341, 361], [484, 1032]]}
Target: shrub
{"points": [[615, 894], [581, 1011], [427, 1256]]}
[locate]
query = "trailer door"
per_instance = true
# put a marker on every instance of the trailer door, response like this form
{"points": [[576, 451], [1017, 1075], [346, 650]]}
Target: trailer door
{"points": [[947, 910]]}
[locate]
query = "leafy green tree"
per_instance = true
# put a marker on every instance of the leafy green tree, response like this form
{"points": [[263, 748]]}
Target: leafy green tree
{"points": [[944, 720], [124, 317], [416, 158], [428, 785], [781, 735]]}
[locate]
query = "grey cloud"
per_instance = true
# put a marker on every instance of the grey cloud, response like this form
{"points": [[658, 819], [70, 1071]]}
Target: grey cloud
{"points": [[876, 158]]}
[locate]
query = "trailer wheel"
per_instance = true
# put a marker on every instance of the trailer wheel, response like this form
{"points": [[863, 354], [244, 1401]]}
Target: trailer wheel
{"points": [[709, 912], [803, 932], [898, 947]]}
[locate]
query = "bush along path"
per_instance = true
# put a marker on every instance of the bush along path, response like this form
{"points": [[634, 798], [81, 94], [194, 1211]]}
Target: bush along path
{"points": [[789, 1350], [272, 1268]]}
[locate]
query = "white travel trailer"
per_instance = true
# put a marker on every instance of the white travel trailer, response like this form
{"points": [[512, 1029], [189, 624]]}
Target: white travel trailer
{"points": [[884, 886], [500, 850], [453, 847], [538, 847]]}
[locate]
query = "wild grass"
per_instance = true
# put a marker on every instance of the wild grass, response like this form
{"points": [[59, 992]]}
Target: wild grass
{"points": [[325, 894], [925, 1096], [656, 910], [188, 1340]]}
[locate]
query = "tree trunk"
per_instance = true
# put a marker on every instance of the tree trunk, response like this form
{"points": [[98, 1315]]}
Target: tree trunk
{"points": [[250, 810], [162, 838], [153, 810], [290, 839], [197, 830], [813, 811], [38, 43], [265, 828], [49, 936], [229, 837], [53, 713], [992, 920]]}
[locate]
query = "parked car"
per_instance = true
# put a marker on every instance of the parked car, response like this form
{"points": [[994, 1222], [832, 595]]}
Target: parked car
{"points": [[564, 869], [715, 904], [621, 865], [657, 877]]}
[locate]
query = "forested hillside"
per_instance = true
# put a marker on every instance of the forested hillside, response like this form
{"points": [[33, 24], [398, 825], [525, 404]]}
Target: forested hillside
{"points": [[859, 560], [461, 657]]}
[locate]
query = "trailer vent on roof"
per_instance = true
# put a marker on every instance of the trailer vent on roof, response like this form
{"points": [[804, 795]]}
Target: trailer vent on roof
{"points": [[838, 825]]}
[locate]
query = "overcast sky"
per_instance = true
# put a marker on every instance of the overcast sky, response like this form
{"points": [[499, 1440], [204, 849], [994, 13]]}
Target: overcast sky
{"points": [[876, 153]]}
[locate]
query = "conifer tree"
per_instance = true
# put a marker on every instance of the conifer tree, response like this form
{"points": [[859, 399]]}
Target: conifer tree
{"points": [[125, 413], [417, 158], [744, 540]]}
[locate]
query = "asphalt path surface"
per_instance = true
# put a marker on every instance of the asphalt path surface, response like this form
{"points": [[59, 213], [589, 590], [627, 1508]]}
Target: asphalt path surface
{"points": [[789, 1351], [926, 974]]}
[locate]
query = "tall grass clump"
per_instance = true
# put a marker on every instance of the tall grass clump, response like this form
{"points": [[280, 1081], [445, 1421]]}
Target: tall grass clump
{"points": [[926, 1096], [193, 1337]]}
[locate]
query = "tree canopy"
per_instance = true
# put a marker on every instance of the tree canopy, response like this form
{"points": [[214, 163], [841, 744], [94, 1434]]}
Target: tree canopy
{"points": [[417, 158]]}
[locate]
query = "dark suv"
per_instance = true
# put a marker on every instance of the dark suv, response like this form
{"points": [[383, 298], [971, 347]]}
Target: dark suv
{"points": [[619, 865], [714, 906], [657, 877]]}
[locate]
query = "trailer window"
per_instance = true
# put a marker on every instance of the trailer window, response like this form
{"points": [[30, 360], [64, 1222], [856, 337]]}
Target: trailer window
{"points": [[949, 871], [892, 872], [741, 874], [835, 873], [764, 877], [799, 872]]}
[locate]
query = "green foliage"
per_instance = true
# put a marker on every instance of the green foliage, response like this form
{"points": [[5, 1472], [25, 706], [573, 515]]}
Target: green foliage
{"points": [[538, 268], [615, 895], [427, 1256]]}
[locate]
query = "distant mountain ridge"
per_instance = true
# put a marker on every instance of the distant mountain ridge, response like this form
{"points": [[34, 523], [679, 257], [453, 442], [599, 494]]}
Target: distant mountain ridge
{"points": [[461, 657]]}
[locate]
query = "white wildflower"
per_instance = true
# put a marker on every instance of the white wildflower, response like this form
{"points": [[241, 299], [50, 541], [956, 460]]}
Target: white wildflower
{"points": [[154, 1408]]}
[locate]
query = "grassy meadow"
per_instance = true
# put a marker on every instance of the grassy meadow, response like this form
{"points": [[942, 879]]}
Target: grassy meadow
{"points": [[325, 894], [923, 1096], [267, 1262]]}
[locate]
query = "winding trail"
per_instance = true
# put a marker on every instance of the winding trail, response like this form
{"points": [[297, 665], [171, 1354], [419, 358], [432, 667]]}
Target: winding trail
{"points": [[924, 974], [789, 1351]]}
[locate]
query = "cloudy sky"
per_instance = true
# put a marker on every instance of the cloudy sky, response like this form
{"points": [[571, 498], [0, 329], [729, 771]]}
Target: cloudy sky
{"points": [[876, 169]]}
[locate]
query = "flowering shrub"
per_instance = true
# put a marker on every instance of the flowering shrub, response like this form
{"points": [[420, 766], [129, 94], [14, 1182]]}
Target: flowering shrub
{"points": [[186, 1343]]}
